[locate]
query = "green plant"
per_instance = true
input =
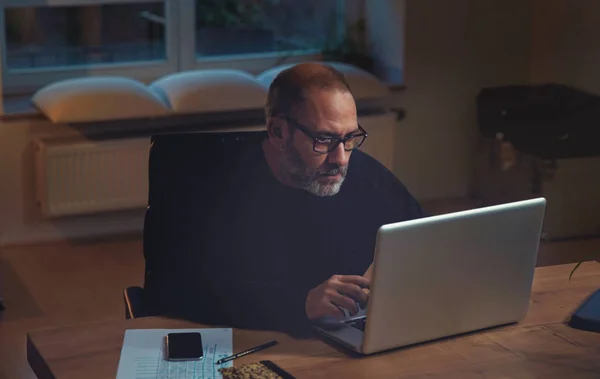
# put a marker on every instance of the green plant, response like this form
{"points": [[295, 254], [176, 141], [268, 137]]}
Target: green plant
{"points": [[579, 264], [574, 268], [230, 13], [352, 48]]}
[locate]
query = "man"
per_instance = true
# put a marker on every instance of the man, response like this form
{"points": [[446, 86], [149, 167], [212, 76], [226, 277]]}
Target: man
{"points": [[293, 232]]}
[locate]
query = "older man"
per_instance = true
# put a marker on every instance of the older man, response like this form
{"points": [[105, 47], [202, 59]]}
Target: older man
{"points": [[291, 240]]}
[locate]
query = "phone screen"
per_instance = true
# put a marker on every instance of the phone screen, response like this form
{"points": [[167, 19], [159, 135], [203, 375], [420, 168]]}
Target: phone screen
{"points": [[184, 346]]}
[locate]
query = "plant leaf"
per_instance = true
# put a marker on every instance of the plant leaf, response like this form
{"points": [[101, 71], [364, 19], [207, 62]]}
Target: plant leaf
{"points": [[574, 268]]}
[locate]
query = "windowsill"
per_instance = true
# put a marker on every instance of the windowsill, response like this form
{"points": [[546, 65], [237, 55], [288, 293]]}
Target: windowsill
{"points": [[20, 107]]}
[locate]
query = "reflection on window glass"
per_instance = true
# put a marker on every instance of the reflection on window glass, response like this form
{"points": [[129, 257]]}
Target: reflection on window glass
{"points": [[42, 37], [233, 27]]}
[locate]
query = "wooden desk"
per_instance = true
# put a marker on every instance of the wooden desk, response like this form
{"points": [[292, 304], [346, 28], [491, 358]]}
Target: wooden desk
{"points": [[541, 346]]}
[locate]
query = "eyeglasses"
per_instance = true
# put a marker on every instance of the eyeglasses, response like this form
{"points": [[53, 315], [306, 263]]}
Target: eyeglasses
{"points": [[326, 144]]}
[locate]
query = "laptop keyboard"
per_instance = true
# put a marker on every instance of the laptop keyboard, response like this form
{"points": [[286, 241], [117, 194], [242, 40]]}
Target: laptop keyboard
{"points": [[358, 324]]}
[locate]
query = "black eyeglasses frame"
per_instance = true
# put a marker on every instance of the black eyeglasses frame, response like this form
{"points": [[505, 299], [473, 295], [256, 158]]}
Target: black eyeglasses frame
{"points": [[336, 140]]}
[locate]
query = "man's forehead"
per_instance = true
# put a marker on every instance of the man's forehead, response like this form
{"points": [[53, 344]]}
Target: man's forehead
{"points": [[328, 128], [328, 113], [337, 132]]}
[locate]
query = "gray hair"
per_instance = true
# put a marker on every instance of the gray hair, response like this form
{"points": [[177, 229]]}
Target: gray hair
{"points": [[290, 86]]}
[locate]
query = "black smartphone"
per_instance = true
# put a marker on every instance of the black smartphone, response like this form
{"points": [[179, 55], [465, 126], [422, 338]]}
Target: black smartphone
{"points": [[184, 346]]}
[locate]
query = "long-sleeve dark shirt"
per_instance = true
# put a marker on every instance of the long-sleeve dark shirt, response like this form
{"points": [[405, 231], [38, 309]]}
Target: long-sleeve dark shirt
{"points": [[247, 252]]}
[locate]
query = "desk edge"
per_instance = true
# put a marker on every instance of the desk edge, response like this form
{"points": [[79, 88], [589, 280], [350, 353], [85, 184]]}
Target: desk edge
{"points": [[37, 363]]}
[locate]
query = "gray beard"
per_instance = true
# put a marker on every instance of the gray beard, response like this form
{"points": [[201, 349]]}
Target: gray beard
{"points": [[300, 176]]}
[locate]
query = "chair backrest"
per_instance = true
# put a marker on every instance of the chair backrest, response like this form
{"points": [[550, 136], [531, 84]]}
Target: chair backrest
{"points": [[186, 171]]}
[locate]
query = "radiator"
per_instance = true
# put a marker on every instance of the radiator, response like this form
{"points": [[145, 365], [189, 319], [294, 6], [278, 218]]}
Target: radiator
{"points": [[84, 177], [74, 177]]}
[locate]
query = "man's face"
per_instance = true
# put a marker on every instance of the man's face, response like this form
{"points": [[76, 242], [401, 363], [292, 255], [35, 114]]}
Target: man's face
{"points": [[326, 113]]}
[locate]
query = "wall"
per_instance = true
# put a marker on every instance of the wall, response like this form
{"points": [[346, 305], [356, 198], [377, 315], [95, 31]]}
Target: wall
{"points": [[19, 222], [565, 45], [453, 48]]}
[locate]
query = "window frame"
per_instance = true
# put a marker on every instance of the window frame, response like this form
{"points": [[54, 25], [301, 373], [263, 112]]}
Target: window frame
{"points": [[21, 82], [181, 51], [252, 63]]}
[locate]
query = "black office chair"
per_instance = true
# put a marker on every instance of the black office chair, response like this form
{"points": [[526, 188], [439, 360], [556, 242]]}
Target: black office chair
{"points": [[135, 304], [181, 167]]}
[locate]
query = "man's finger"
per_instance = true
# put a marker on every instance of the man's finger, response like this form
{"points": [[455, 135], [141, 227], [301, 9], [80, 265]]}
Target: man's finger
{"points": [[367, 293], [354, 291], [358, 280], [345, 302], [335, 311]]}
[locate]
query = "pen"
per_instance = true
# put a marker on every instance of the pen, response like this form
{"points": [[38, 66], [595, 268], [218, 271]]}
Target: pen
{"points": [[249, 351]]}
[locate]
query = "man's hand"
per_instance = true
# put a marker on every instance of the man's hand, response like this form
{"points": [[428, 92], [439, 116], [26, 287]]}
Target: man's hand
{"points": [[338, 291]]}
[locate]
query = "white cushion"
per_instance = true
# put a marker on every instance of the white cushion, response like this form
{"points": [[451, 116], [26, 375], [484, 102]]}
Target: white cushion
{"points": [[99, 98], [364, 85], [215, 90]]}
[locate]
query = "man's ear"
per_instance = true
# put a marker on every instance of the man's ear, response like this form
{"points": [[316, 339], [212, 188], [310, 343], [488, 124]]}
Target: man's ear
{"points": [[276, 132]]}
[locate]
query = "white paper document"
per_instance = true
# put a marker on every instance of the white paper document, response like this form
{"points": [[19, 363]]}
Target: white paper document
{"points": [[142, 355]]}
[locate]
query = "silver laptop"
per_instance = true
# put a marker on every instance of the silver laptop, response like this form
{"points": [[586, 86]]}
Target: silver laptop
{"points": [[446, 275]]}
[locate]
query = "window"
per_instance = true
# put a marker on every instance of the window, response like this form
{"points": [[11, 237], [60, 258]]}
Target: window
{"points": [[234, 27], [74, 38], [67, 36], [147, 39]]}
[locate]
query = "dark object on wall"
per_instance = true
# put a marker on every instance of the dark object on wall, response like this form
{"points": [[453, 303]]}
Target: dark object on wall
{"points": [[587, 316], [550, 121], [1, 305], [542, 141]]}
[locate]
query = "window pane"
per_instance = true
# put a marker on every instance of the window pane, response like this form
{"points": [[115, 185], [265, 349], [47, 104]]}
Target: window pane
{"points": [[233, 27], [42, 37]]}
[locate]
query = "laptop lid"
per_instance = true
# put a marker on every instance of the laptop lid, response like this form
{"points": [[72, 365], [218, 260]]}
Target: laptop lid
{"points": [[453, 273]]}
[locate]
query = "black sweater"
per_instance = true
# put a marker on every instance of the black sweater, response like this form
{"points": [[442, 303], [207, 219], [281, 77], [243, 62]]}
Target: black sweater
{"points": [[245, 253]]}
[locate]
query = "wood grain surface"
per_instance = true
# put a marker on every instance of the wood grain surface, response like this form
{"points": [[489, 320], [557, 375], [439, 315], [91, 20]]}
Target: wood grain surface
{"points": [[541, 346]]}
